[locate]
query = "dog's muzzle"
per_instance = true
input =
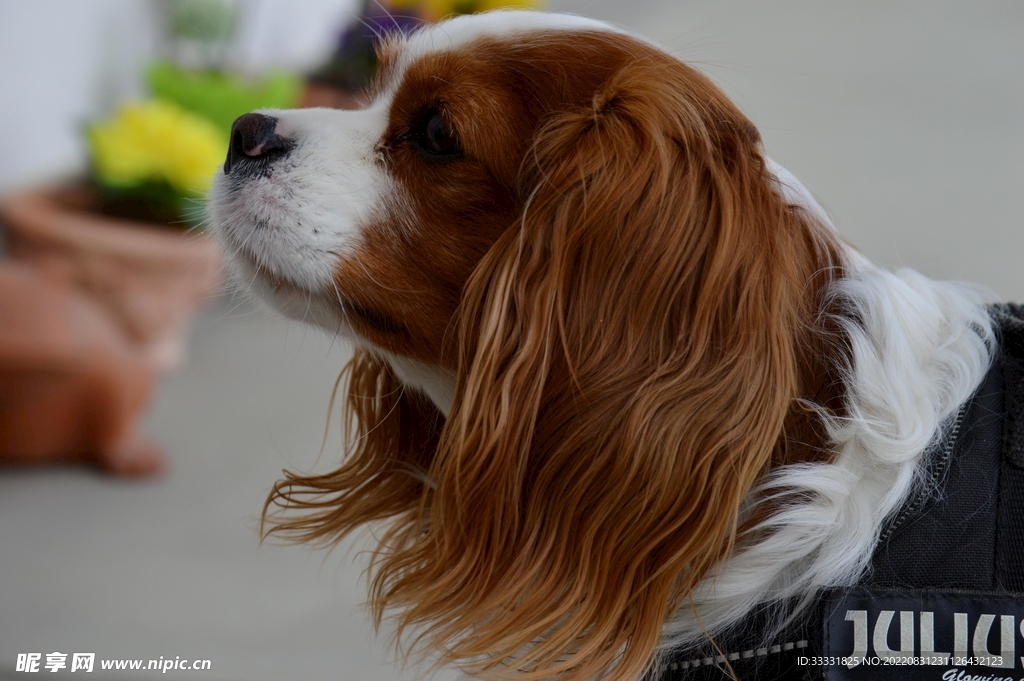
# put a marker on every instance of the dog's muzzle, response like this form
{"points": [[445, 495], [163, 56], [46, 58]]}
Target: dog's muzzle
{"points": [[255, 145]]}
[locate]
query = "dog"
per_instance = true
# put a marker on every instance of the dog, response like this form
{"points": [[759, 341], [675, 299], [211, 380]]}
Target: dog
{"points": [[620, 389]]}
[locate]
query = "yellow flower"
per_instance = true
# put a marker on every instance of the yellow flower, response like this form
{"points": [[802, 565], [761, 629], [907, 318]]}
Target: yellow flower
{"points": [[436, 10], [485, 5], [157, 141]]}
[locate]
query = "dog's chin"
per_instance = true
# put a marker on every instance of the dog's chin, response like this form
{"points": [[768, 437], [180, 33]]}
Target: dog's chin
{"points": [[328, 313], [286, 296]]}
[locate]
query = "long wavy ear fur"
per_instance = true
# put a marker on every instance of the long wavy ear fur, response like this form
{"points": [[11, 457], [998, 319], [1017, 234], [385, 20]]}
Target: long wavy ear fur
{"points": [[628, 355], [393, 434]]}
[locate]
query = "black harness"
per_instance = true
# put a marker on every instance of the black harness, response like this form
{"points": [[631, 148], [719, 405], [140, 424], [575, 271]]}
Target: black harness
{"points": [[944, 598]]}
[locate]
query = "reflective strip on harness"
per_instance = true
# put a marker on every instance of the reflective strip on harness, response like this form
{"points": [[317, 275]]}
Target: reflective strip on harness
{"points": [[872, 636]]}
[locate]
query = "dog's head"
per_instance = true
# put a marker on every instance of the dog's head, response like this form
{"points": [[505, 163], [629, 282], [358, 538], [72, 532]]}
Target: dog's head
{"points": [[586, 319]]}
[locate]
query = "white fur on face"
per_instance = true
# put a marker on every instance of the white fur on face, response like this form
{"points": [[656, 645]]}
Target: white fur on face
{"points": [[462, 30], [291, 223]]}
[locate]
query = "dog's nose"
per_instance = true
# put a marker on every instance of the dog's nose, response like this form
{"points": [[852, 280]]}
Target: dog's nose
{"points": [[254, 142]]}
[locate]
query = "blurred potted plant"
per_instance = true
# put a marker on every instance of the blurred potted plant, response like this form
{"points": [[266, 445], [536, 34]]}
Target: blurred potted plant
{"points": [[130, 234], [341, 81]]}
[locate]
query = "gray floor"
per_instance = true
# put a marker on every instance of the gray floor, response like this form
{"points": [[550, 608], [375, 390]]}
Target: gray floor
{"points": [[906, 119]]}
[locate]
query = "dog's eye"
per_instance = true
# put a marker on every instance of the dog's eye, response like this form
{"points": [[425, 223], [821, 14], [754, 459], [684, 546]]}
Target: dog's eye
{"points": [[434, 139]]}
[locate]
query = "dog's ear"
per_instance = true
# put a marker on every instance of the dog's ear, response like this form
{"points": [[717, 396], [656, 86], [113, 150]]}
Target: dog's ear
{"points": [[392, 434], [628, 353]]}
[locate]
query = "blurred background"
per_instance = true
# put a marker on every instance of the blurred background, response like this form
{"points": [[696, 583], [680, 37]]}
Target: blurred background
{"points": [[906, 120]]}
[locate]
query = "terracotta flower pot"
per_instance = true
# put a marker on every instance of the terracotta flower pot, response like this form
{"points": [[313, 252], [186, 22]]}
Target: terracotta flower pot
{"points": [[150, 278], [72, 388]]}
